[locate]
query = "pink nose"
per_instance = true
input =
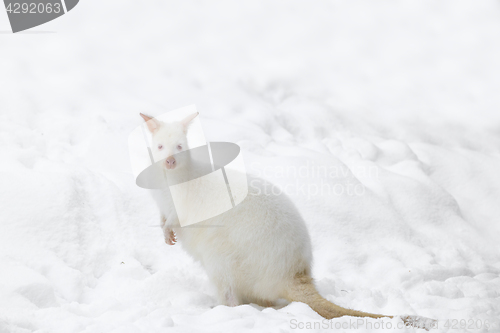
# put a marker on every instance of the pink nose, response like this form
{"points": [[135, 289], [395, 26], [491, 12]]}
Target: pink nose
{"points": [[170, 162]]}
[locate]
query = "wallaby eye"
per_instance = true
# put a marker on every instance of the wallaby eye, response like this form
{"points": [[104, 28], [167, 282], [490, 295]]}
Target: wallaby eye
{"points": [[160, 147], [179, 147]]}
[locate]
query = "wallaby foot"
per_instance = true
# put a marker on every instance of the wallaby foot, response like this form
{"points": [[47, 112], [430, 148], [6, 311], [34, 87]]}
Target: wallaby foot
{"points": [[261, 302], [170, 237], [230, 298]]}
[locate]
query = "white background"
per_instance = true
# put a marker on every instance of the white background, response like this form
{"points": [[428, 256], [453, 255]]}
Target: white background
{"points": [[409, 88]]}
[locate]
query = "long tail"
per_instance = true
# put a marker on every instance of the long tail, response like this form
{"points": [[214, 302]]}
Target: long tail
{"points": [[303, 290]]}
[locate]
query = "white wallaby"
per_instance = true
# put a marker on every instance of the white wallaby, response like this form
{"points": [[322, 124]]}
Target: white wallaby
{"points": [[261, 253]]}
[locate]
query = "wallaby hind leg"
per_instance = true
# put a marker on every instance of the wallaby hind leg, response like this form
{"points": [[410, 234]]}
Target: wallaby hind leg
{"points": [[259, 301], [227, 292], [230, 297]]}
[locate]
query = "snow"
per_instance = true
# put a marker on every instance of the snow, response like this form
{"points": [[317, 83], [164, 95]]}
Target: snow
{"points": [[398, 100]]}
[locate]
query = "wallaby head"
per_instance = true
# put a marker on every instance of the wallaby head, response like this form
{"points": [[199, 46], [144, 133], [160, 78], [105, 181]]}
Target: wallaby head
{"points": [[168, 140]]}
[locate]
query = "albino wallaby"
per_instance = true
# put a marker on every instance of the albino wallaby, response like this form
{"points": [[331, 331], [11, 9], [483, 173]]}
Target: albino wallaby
{"points": [[261, 253]]}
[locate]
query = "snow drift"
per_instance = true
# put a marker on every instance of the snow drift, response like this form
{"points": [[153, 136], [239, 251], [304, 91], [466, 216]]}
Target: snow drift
{"points": [[380, 120]]}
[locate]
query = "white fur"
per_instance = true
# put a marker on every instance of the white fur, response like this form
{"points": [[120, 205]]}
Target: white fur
{"points": [[259, 251], [259, 246]]}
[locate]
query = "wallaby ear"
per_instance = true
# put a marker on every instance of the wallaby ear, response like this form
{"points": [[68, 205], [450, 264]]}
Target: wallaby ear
{"points": [[153, 124], [187, 121]]}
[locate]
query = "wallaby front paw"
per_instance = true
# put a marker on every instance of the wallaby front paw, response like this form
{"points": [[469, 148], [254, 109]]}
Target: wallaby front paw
{"points": [[170, 237]]}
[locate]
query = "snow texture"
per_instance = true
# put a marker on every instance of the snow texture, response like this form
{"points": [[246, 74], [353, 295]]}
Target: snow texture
{"points": [[392, 105]]}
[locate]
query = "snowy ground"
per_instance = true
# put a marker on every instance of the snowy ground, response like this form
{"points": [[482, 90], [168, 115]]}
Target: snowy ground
{"points": [[397, 100]]}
